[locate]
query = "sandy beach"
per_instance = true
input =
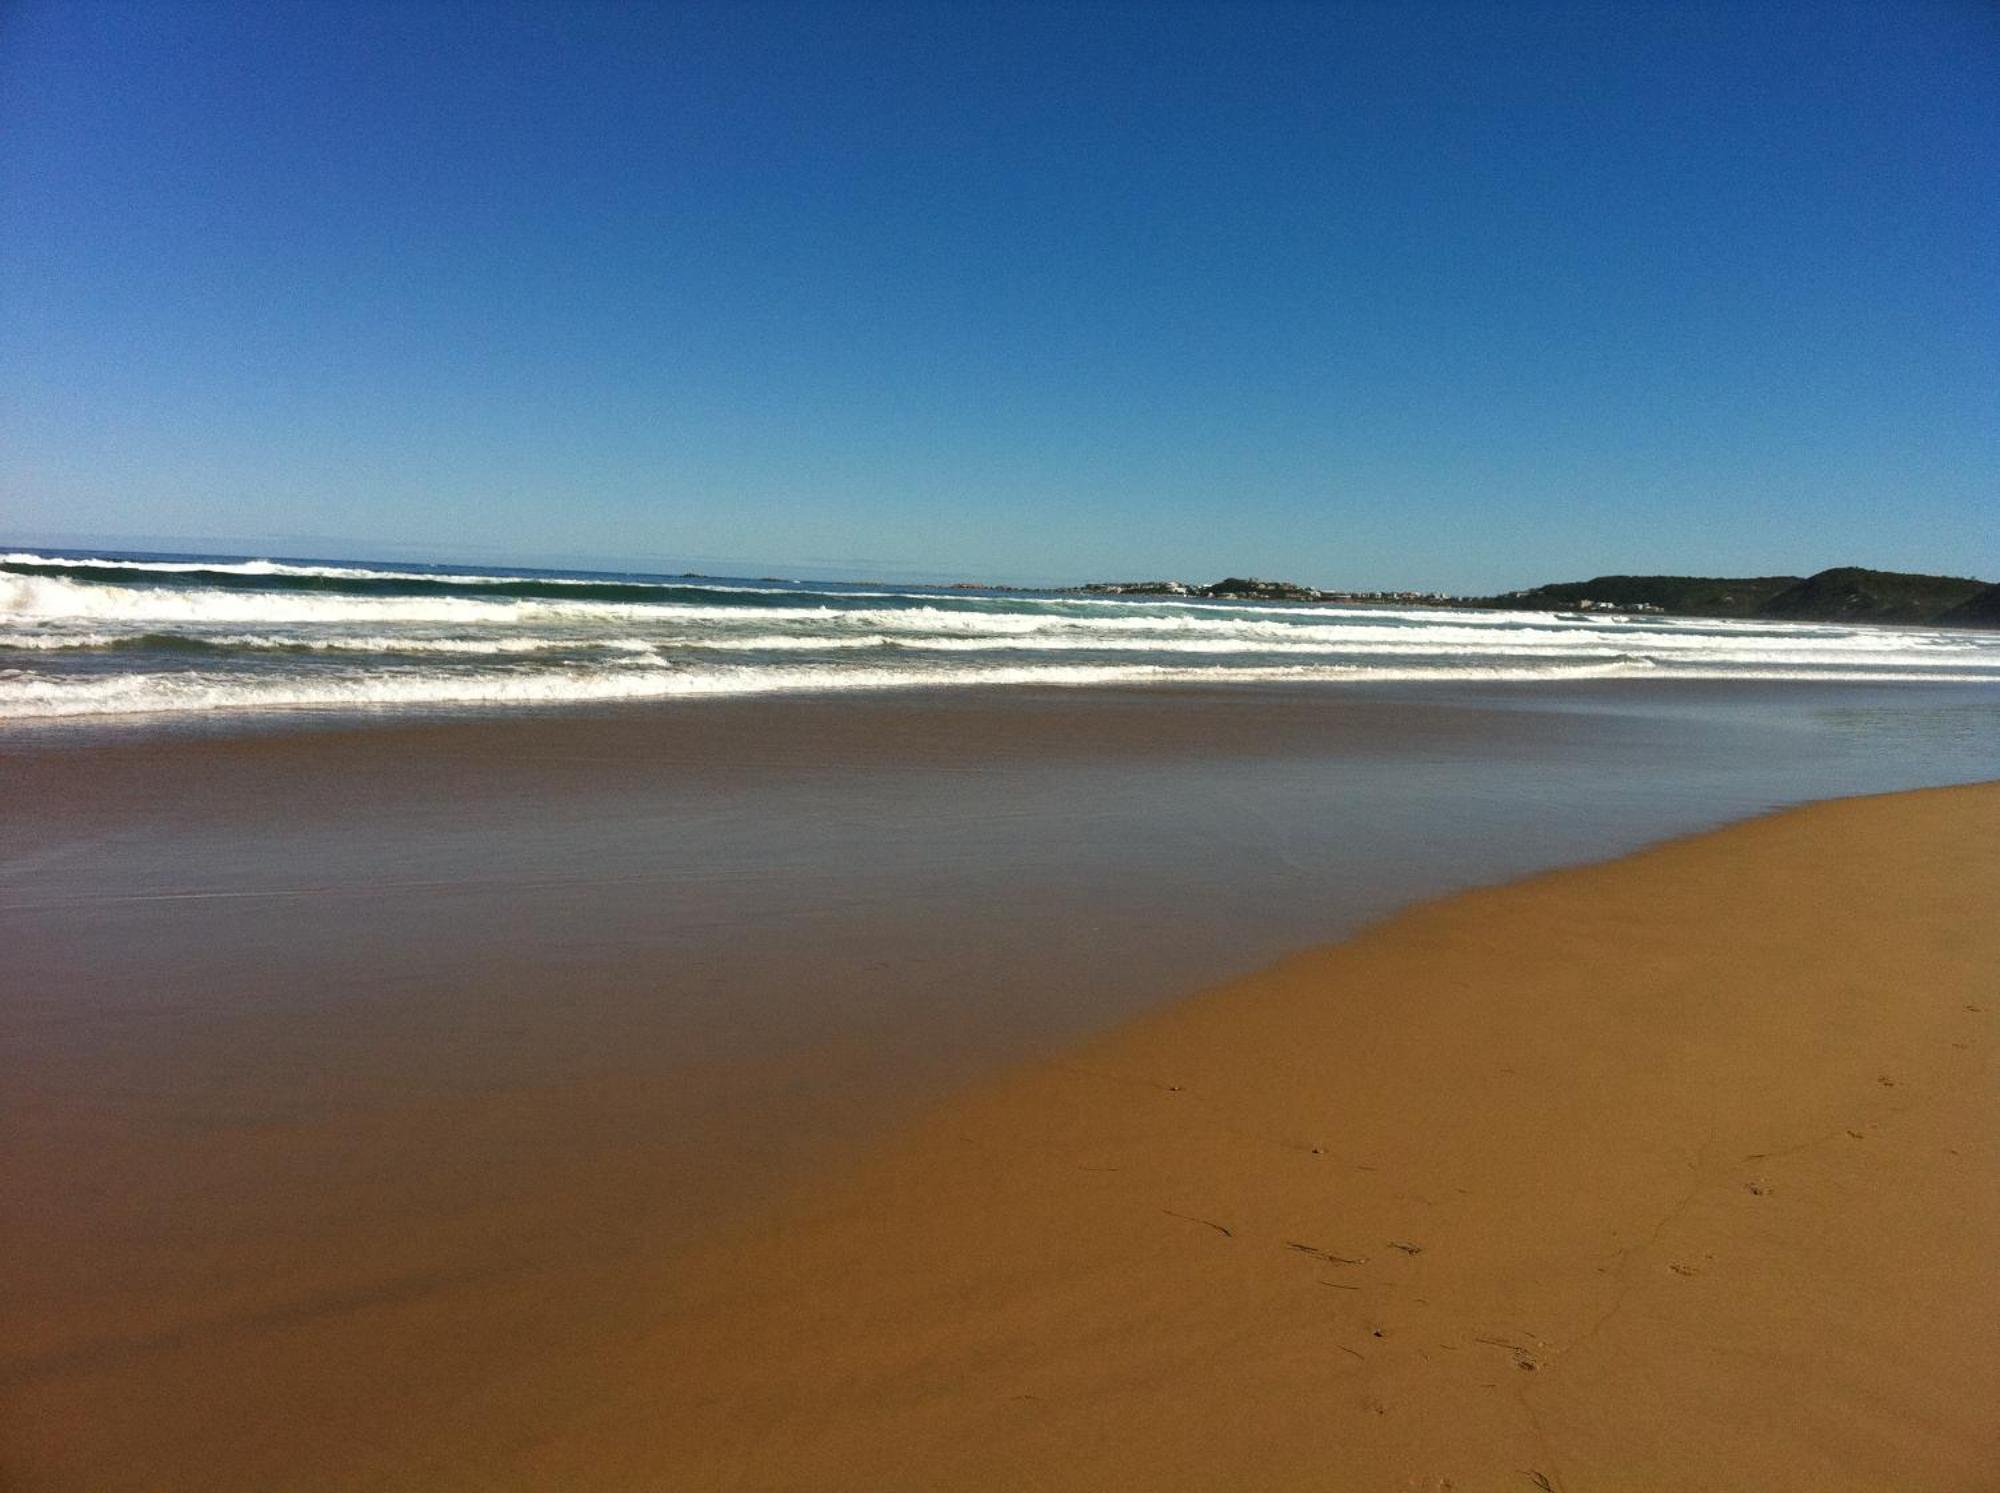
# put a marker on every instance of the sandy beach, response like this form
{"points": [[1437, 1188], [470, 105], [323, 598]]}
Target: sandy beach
{"points": [[570, 1102], [1675, 1172]]}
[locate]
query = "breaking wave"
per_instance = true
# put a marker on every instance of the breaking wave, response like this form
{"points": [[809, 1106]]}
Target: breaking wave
{"points": [[99, 635]]}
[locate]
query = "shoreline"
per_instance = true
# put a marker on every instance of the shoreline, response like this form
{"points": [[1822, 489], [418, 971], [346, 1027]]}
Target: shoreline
{"points": [[246, 722]]}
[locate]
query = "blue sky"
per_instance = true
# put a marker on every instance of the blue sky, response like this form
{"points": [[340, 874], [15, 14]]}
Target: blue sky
{"points": [[1444, 295]]}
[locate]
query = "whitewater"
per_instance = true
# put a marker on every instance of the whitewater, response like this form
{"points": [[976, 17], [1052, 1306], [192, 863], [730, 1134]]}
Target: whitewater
{"points": [[119, 634]]}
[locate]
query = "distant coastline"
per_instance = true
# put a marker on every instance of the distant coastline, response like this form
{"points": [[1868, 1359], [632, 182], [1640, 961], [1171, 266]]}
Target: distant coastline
{"points": [[1842, 594]]}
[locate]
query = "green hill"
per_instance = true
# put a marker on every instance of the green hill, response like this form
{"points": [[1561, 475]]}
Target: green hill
{"points": [[1843, 594], [1982, 610], [1850, 594], [1681, 595]]}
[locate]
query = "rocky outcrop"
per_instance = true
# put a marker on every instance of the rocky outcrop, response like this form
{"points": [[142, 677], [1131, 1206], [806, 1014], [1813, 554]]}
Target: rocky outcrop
{"points": [[1235, 588], [1250, 588]]}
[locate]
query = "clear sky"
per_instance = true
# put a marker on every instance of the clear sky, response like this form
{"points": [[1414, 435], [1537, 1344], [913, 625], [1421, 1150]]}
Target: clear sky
{"points": [[1451, 295]]}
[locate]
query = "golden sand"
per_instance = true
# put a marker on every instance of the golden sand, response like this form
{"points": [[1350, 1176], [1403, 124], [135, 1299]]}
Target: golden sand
{"points": [[1677, 1172]]}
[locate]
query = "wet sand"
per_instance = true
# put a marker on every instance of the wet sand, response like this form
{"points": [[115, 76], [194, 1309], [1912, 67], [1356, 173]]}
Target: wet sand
{"points": [[1678, 1172], [372, 1095]]}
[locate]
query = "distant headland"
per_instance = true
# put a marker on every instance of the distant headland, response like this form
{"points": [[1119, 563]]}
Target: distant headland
{"points": [[1249, 588], [1844, 594]]}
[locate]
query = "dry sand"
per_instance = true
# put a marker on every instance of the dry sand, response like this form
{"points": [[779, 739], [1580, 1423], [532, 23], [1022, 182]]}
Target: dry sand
{"points": [[1679, 1172]]}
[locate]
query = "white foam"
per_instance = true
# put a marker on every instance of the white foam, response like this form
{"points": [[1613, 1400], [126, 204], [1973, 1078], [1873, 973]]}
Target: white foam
{"points": [[384, 643], [32, 698], [44, 599], [142, 568], [1842, 653], [28, 697], [439, 650]]}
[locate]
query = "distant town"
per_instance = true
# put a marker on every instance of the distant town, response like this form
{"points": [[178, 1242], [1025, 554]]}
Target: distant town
{"points": [[1249, 588]]}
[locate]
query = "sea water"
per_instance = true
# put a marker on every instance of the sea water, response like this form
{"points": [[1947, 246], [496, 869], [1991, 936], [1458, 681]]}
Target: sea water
{"points": [[87, 634]]}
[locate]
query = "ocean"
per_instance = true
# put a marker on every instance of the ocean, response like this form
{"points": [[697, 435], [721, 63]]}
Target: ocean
{"points": [[101, 634]]}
